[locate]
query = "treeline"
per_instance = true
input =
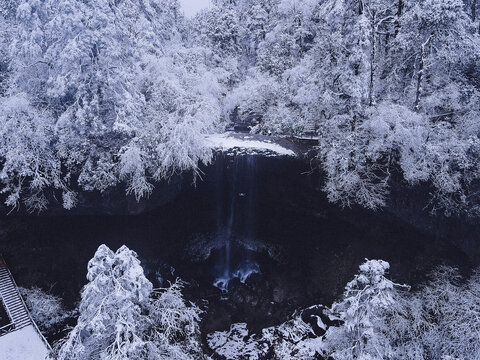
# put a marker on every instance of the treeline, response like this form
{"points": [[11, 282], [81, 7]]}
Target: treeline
{"points": [[391, 87], [97, 93]]}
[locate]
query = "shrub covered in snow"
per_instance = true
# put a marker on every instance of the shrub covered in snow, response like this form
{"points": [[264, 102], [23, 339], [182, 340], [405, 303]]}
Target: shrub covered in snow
{"points": [[46, 309]]}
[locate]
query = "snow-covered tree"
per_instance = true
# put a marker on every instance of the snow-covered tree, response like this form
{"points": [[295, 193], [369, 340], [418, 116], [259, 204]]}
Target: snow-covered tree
{"points": [[174, 324], [110, 313], [181, 108], [219, 28], [366, 304], [119, 319], [7, 26], [376, 319], [29, 165], [112, 91], [451, 311], [440, 321], [46, 309]]}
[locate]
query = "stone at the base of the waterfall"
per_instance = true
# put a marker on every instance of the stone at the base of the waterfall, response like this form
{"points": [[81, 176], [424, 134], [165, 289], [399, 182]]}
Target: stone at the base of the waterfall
{"points": [[293, 339]]}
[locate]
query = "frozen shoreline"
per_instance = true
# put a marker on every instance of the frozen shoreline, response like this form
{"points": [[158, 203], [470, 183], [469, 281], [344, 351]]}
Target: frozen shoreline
{"points": [[251, 143]]}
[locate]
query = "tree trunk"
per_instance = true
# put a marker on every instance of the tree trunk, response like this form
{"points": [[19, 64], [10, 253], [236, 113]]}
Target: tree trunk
{"points": [[419, 81], [372, 59], [474, 13], [387, 43], [360, 7], [474, 10], [399, 14], [421, 71]]}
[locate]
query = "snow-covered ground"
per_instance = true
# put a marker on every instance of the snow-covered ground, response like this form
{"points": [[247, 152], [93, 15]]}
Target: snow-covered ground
{"points": [[23, 344], [249, 143]]}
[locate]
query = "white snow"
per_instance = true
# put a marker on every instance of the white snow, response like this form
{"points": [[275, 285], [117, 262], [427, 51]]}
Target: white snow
{"points": [[226, 142], [235, 344], [23, 344]]}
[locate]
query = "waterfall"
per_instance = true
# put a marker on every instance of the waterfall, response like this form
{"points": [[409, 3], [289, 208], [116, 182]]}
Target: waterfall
{"points": [[251, 197], [231, 219], [235, 216]]}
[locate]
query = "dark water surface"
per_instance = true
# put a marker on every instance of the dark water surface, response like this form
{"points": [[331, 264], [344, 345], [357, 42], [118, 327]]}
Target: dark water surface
{"points": [[249, 214]]}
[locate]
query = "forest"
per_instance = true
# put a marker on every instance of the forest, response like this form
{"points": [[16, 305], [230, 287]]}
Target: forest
{"points": [[104, 95], [100, 93]]}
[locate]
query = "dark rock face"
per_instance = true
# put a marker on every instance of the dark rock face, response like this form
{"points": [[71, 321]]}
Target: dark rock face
{"points": [[112, 202]]}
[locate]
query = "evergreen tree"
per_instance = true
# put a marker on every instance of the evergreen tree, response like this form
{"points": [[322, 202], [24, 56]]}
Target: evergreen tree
{"points": [[366, 303], [121, 318]]}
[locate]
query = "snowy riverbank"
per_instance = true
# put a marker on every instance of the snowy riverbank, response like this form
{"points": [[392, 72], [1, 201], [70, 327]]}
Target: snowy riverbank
{"points": [[235, 143]]}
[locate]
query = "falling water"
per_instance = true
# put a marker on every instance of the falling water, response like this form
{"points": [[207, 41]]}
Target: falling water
{"points": [[239, 219], [231, 218], [251, 196]]}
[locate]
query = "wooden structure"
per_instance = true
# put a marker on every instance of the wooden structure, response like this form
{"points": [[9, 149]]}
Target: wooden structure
{"points": [[21, 336], [12, 302]]}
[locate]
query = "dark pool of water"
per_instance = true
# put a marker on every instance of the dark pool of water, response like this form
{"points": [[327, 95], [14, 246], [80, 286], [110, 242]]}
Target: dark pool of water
{"points": [[268, 212]]}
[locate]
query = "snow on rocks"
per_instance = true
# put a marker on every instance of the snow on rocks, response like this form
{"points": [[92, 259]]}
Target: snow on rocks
{"points": [[235, 343], [247, 144], [294, 340]]}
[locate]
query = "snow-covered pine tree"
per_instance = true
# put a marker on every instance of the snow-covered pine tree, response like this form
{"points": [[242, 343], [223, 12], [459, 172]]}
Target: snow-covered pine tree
{"points": [[119, 319], [365, 306], [111, 322]]}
